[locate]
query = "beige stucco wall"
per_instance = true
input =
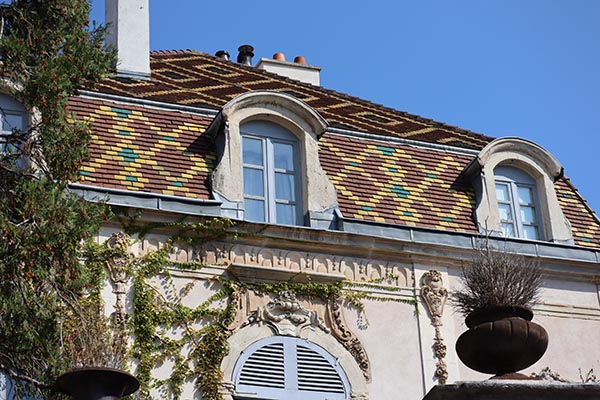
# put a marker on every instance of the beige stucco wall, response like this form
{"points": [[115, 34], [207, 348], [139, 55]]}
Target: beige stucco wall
{"points": [[570, 312], [397, 339], [392, 342]]}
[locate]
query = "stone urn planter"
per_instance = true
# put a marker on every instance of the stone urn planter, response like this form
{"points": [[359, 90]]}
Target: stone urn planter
{"points": [[96, 383], [501, 341]]}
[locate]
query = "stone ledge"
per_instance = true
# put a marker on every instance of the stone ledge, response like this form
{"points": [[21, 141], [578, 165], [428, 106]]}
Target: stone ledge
{"points": [[514, 390]]}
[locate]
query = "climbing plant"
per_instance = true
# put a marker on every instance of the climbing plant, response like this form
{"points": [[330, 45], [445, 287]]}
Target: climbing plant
{"points": [[51, 308], [193, 340]]}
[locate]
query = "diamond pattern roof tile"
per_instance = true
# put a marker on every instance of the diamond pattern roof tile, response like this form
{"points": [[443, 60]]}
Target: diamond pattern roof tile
{"points": [[166, 152], [195, 78], [137, 148]]}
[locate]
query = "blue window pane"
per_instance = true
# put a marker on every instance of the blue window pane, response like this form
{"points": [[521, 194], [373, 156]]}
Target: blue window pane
{"points": [[527, 215], [284, 187], [286, 214], [502, 192], [508, 230], [11, 122], [284, 156], [252, 151], [525, 195], [253, 182], [505, 212], [255, 210], [530, 232]]}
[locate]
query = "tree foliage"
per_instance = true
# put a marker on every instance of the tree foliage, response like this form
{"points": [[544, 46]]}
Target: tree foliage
{"points": [[47, 51]]}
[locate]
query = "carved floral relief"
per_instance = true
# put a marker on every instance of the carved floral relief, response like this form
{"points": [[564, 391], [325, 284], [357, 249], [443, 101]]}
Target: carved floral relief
{"points": [[434, 295]]}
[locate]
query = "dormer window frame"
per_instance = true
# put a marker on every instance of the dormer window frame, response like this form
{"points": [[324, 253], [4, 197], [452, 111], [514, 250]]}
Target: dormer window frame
{"points": [[317, 196], [268, 168], [519, 214], [534, 161]]}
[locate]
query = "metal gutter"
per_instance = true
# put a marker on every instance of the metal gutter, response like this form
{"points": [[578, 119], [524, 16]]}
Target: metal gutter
{"points": [[467, 240], [149, 201]]}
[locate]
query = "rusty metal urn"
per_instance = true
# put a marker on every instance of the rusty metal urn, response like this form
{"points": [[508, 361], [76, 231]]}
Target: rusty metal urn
{"points": [[96, 383], [501, 340]]}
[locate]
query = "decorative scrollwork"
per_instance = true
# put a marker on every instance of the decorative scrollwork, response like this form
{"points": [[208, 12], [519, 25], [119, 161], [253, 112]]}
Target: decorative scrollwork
{"points": [[286, 316], [347, 338], [435, 295], [118, 268]]}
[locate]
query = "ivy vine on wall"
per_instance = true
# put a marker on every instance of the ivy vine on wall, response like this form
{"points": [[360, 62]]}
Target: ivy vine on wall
{"points": [[193, 341]]}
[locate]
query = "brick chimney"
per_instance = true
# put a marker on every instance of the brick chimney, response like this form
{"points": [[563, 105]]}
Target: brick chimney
{"points": [[129, 32]]}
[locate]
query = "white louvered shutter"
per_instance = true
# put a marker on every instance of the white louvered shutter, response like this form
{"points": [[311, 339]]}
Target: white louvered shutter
{"points": [[287, 368], [265, 367]]}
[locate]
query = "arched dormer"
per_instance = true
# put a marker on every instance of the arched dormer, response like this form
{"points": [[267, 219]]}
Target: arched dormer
{"points": [[242, 118], [514, 184]]}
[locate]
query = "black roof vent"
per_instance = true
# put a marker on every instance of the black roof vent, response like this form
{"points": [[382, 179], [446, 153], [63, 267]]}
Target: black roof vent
{"points": [[222, 54], [246, 52]]}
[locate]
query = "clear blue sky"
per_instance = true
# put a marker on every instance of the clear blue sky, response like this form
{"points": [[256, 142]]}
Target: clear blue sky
{"points": [[506, 67]]}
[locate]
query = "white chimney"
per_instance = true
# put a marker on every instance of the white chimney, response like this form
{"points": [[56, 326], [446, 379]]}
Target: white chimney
{"points": [[129, 32], [297, 70]]}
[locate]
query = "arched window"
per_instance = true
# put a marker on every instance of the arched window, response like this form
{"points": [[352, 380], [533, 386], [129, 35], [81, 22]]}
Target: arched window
{"points": [[514, 180], [274, 137], [518, 205], [290, 368], [270, 173]]}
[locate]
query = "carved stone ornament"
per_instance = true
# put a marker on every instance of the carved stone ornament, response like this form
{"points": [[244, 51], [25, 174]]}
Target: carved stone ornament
{"points": [[286, 316], [434, 295], [340, 331], [118, 268], [269, 260]]}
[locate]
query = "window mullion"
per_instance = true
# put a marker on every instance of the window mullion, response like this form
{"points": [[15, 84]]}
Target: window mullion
{"points": [[270, 181], [516, 204]]}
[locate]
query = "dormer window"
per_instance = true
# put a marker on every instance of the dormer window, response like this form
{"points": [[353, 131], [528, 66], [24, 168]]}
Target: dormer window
{"points": [[268, 168], [516, 194], [514, 188], [271, 181]]}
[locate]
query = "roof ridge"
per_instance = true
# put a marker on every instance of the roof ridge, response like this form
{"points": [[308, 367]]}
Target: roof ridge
{"points": [[181, 51]]}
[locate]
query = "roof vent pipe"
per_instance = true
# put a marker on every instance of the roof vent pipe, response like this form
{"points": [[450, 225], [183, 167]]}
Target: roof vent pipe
{"points": [[246, 52], [223, 54]]}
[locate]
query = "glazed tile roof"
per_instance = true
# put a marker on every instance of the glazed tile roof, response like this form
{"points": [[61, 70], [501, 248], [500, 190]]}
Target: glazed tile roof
{"points": [[399, 184], [197, 79], [161, 151], [585, 227], [148, 150]]}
